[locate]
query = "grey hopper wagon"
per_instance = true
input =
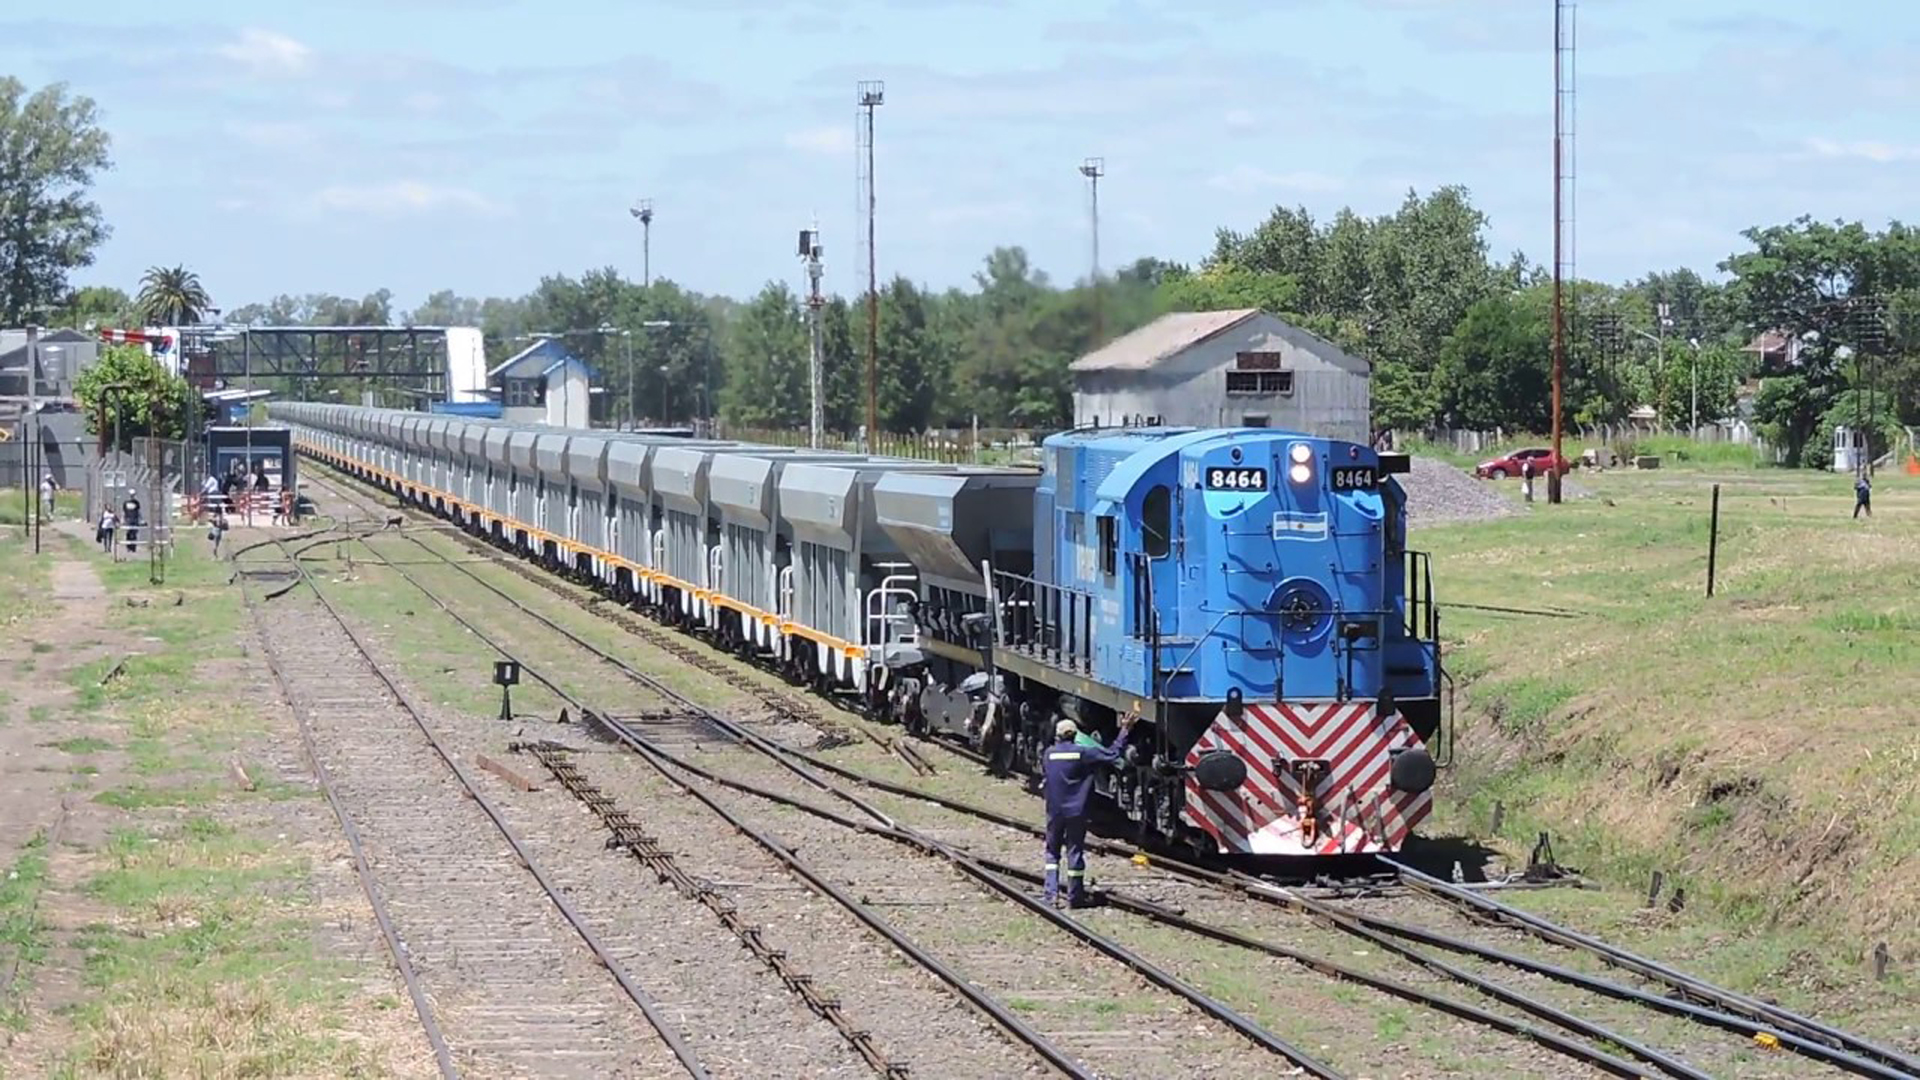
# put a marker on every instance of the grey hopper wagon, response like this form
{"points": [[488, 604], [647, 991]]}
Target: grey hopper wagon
{"points": [[586, 474], [755, 540], [553, 486], [841, 561], [523, 475], [947, 526]]}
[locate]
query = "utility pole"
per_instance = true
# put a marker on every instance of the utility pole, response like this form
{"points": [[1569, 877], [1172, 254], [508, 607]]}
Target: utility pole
{"points": [[810, 250], [29, 454], [1561, 46], [643, 210], [872, 95]]}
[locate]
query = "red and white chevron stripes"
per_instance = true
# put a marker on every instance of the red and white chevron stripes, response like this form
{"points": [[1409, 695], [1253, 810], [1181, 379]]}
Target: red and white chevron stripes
{"points": [[1356, 809]]}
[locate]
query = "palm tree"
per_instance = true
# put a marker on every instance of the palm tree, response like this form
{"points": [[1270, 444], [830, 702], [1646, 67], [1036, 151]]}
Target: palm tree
{"points": [[171, 297]]}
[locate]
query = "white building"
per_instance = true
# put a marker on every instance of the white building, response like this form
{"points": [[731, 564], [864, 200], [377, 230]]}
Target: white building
{"points": [[543, 384], [1241, 368]]}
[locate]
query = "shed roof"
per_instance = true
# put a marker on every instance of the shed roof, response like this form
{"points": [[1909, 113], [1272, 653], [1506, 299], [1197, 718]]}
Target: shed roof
{"points": [[1167, 336], [540, 358]]}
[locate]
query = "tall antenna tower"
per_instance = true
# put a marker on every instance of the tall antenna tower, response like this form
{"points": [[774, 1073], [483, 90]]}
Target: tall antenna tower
{"points": [[1563, 224], [811, 251], [1093, 169], [872, 94], [644, 211]]}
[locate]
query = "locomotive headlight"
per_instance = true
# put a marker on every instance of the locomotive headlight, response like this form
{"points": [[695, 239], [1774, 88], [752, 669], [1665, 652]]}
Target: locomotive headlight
{"points": [[1300, 473], [1301, 453]]}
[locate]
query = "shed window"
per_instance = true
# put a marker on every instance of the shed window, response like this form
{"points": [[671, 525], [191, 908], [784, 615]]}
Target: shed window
{"points": [[1254, 420], [526, 393], [1109, 544], [1156, 521], [1260, 382]]}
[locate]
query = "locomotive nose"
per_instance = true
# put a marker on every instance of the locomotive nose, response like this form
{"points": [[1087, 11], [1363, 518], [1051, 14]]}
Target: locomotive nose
{"points": [[1411, 771]]}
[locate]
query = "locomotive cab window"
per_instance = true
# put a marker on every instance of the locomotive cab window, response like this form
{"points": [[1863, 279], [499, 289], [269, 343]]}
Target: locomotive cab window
{"points": [[1109, 544], [1156, 522]]}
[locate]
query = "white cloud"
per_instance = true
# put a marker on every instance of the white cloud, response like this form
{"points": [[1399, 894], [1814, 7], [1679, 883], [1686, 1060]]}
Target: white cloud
{"points": [[267, 53], [404, 197], [822, 140], [1246, 178], [1864, 150]]}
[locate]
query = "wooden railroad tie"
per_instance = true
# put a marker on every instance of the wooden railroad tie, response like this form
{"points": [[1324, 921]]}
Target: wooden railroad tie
{"points": [[504, 773]]}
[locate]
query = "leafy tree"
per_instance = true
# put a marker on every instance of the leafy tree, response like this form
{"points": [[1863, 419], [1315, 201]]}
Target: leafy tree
{"points": [[97, 306], [1817, 283], [172, 297], [445, 308], [147, 401], [1224, 287], [912, 360], [1495, 368], [767, 363], [843, 370], [51, 147]]}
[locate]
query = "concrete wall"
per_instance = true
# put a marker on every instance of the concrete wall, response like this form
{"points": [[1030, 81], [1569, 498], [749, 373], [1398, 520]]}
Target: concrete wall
{"points": [[568, 398], [1331, 391]]}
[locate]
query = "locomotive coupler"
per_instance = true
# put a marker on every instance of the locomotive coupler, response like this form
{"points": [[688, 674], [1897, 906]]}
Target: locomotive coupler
{"points": [[1309, 771]]}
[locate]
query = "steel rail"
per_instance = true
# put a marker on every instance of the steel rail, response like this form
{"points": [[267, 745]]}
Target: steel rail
{"points": [[638, 994], [1155, 912], [779, 754], [961, 861], [442, 1054], [628, 835], [1875, 1061], [1679, 981]]}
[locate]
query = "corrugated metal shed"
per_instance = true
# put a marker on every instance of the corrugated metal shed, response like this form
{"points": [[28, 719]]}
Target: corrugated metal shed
{"points": [[1167, 336]]}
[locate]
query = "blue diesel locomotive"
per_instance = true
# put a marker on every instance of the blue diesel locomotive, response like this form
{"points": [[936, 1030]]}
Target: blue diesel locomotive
{"points": [[1248, 593], [1251, 594]]}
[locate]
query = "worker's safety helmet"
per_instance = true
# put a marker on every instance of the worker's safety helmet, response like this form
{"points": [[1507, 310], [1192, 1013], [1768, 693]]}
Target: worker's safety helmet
{"points": [[1065, 729]]}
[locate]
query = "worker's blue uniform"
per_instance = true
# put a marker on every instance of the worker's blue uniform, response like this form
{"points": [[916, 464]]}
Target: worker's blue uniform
{"points": [[1071, 767]]}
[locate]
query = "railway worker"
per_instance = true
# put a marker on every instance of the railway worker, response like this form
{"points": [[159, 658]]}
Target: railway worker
{"points": [[1862, 495], [1071, 768]]}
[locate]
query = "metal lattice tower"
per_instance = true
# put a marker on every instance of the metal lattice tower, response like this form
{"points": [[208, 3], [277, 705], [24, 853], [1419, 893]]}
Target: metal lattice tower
{"points": [[1563, 222], [872, 94], [1093, 169], [811, 251], [643, 210]]}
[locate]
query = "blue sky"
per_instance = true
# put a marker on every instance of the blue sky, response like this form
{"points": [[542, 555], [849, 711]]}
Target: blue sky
{"points": [[348, 145]]}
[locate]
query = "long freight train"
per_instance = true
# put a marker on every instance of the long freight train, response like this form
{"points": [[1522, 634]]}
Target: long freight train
{"points": [[1247, 593]]}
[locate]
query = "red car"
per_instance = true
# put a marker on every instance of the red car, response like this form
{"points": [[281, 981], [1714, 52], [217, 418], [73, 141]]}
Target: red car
{"points": [[1511, 465]]}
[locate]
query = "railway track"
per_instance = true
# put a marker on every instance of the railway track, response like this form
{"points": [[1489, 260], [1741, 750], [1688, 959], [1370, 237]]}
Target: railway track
{"points": [[1002, 876], [1684, 997], [504, 973], [1043, 967]]}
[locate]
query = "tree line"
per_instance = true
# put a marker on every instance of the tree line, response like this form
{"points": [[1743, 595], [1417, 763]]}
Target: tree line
{"points": [[1456, 336]]}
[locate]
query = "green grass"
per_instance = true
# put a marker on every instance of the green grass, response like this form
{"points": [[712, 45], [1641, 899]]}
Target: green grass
{"points": [[86, 744], [1751, 745], [21, 936], [209, 967]]}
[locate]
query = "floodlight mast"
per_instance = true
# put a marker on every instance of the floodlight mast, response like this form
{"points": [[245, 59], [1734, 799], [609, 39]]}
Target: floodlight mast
{"points": [[811, 251], [872, 94], [643, 211], [1093, 169]]}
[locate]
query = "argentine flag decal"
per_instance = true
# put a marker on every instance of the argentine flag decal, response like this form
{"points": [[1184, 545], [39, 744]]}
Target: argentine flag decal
{"points": [[1289, 525]]}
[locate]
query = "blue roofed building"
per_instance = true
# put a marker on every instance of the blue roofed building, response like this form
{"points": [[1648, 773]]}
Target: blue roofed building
{"points": [[543, 384]]}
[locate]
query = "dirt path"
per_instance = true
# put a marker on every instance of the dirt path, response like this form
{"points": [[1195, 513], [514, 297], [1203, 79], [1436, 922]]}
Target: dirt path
{"points": [[174, 897]]}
